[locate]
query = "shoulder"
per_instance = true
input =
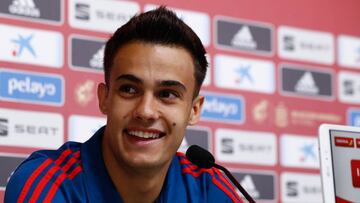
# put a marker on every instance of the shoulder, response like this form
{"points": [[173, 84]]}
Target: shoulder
{"points": [[41, 175], [212, 183]]}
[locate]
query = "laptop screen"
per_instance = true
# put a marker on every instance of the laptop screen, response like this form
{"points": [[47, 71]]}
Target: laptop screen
{"points": [[345, 149]]}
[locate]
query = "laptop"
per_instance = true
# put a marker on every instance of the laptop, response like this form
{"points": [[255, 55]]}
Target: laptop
{"points": [[339, 147]]}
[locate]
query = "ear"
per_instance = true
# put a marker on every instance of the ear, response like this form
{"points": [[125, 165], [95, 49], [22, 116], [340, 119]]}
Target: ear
{"points": [[196, 110], [102, 93]]}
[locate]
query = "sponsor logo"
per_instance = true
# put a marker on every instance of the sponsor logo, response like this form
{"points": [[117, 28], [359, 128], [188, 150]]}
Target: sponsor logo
{"points": [[87, 54], [81, 127], [292, 189], [354, 117], [307, 85], [344, 142], [281, 115], [223, 108], [355, 173], [29, 129], [84, 93], [42, 11], [196, 136], [24, 7], [30, 46], [4, 127], [306, 45], [246, 147], [199, 22], [227, 146], [260, 111], [25, 130], [305, 118], [289, 43], [9, 164], [244, 74], [82, 11], [103, 16], [349, 87], [244, 36], [298, 187], [260, 186], [31, 87], [349, 51], [299, 151], [23, 43], [250, 186], [306, 82], [96, 60], [309, 152]]}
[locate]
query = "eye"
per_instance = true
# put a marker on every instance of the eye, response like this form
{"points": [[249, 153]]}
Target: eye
{"points": [[168, 94], [127, 89]]}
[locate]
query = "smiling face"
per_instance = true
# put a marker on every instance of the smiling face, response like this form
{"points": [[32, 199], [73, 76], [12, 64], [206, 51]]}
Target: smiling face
{"points": [[148, 103]]}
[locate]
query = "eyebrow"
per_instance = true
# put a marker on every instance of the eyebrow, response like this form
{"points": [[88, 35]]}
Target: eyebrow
{"points": [[166, 83], [129, 77], [169, 83]]}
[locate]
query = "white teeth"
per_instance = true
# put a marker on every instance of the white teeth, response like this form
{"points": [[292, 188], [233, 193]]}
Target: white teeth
{"points": [[144, 134]]}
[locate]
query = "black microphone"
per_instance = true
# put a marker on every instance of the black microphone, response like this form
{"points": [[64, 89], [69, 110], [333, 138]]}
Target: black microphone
{"points": [[204, 159]]}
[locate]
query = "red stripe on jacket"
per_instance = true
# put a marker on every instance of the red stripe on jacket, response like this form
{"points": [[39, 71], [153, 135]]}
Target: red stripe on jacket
{"points": [[218, 181], [49, 174], [55, 186]]}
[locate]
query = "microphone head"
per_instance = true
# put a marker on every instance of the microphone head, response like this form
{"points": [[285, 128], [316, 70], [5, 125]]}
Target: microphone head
{"points": [[200, 157]]}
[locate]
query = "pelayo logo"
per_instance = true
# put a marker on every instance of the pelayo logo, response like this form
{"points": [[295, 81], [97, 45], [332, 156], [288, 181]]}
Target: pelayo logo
{"points": [[31, 87], [223, 108]]}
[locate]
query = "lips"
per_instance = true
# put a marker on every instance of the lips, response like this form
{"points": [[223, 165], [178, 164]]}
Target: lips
{"points": [[145, 134]]}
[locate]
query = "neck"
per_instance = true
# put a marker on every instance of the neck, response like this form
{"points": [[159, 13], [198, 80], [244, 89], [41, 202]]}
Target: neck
{"points": [[133, 184]]}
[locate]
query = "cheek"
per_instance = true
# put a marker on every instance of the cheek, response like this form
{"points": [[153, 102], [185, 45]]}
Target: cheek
{"points": [[178, 117], [121, 108], [180, 121], [118, 113]]}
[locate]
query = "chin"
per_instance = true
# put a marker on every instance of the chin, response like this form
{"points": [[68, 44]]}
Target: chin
{"points": [[147, 162]]}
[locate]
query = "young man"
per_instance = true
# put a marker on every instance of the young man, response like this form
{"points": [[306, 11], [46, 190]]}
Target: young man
{"points": [[154, 67]]}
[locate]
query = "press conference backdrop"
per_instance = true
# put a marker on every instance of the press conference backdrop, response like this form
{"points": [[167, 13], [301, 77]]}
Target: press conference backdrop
{"points": [[277, 70]]}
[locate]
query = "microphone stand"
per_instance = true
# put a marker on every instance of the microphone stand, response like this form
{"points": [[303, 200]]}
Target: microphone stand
{"points": [[233, 180]]}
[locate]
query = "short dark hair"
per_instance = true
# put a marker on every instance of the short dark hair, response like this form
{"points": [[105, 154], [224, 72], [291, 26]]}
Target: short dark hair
{"points": [[159, 26]]}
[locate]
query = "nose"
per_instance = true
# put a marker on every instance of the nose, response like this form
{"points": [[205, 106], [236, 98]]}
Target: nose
{"points": [[146, 108]]}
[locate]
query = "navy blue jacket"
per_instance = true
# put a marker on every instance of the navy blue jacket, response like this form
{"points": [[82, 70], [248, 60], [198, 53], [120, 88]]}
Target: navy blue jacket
{"points": [[76, 173]]}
